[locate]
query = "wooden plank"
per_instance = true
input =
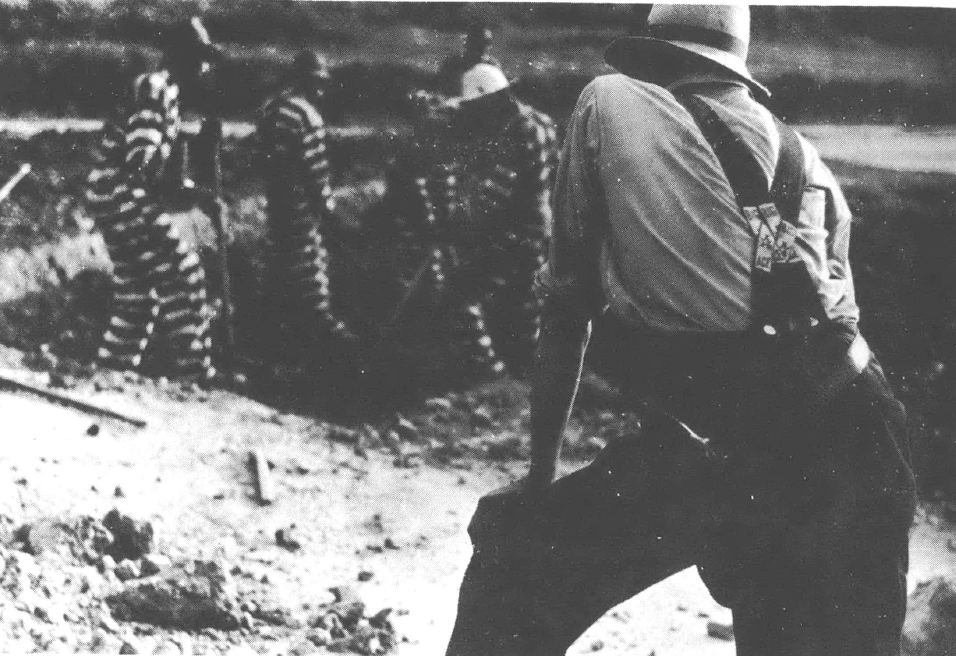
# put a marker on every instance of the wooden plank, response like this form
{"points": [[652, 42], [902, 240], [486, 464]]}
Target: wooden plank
{"points": [[265, 487]]}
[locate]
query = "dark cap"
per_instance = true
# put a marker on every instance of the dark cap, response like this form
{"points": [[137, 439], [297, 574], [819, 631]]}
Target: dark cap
{"points": [[478, 34], [310, 64]]}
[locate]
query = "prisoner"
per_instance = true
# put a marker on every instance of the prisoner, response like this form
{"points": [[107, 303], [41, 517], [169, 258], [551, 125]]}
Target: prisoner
{"points": [[160, 317], [292, 139]]}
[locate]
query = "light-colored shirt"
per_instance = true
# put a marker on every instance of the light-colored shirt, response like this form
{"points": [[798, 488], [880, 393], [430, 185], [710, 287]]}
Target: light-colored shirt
{"points": [[647, 225]]}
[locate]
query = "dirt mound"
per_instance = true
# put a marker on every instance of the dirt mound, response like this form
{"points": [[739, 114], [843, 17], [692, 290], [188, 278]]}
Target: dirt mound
{"points": [[931, 619], [63, 592]]}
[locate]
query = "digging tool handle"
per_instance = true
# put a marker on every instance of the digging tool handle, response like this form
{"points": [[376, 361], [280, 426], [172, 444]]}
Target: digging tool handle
{"points": [[212, 131], [265, 489], [14, 181], [410, 292], [70, 402]]}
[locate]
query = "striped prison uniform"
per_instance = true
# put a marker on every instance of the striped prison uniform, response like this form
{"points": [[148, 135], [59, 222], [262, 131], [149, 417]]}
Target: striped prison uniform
{"points": [[505, 187], [486, 215], [292, 142], [160, 323]]}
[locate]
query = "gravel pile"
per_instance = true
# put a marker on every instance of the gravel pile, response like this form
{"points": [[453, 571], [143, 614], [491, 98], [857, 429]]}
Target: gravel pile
{"points": [[931, 619], [85, 585]]}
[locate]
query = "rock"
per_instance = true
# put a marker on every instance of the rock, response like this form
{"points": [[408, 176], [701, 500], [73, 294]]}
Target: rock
{"points": [[203, 596], [50, 612], [93, 430], [107, 563], [302, 648], [127, 569], [300, 468], [607, 417], [118, 492], [151, 564], [344, 435], [365, 575], [438, 404], [720, 631], [370, 434], [94, 538], [184, 642], [287, 538], [46, 535], [348, 605], [390, 544], [481, 417], [319, 637], [131, 539], [107, 623], [90, 581], [392, 440], [408, 459], [949, 511], [105, 644], [167, 648], [930, 627], [406, 430], [23, 564], [597, 645], [594, 445]]}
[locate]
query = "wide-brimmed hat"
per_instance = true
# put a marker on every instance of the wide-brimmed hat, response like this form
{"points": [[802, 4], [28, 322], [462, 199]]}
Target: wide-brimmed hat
{"points": [[712, 34]]}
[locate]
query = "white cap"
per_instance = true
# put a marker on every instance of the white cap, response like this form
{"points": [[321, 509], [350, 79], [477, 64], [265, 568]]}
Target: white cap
{"points": [[481, 80]]}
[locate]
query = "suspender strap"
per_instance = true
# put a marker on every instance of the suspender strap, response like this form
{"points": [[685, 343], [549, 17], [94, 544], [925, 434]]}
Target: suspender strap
{"points": [[784, 294], [745, 176], [790, 177]]}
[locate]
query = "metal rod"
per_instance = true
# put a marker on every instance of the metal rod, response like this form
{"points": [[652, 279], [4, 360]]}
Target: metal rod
{"points": [[14, 181], [220, 221], [70, 402]]}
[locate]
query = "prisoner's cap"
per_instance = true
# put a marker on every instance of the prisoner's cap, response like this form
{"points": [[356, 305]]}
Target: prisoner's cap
{"points": [[711, 34], [478, 35], [482, 80]]}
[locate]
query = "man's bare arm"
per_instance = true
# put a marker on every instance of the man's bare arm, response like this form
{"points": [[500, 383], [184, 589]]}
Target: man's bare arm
{"points": [[557, 371]]}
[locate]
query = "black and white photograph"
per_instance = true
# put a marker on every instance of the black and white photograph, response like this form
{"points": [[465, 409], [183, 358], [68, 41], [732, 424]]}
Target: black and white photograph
{"points": [[477, 328]]}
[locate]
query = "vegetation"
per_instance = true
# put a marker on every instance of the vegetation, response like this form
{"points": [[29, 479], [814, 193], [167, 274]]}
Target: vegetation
{"points": [[852, 64]]}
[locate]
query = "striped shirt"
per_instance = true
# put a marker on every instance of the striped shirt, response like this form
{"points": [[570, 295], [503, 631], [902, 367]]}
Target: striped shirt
{"points": [[292, 138], [513, 174], [134, 151], [647, 223]]}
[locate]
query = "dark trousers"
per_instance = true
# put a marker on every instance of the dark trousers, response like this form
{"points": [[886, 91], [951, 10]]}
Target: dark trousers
{"points": [[797, 521]]}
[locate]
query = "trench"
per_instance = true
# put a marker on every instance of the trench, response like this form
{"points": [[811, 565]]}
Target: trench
{"points": [[54, 281]]}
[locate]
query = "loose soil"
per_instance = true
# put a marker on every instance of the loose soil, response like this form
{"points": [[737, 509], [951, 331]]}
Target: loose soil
{"points": [[365, 513], [375, 505]]}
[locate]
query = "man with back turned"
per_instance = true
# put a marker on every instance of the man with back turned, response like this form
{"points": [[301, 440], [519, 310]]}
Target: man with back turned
{"points": [[708, 245]]}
